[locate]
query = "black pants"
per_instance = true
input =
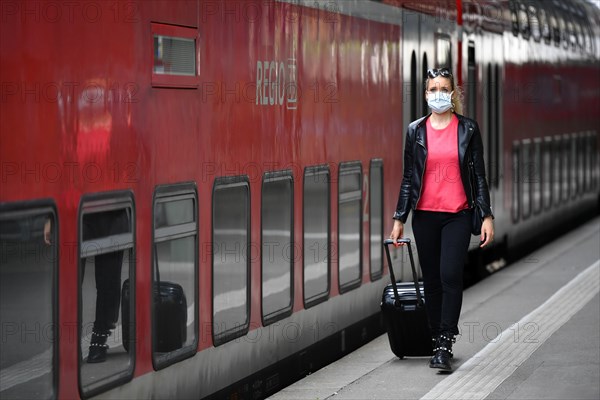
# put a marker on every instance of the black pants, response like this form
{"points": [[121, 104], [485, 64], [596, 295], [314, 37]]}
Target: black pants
{"points": [[442, 244], [107, 267]]}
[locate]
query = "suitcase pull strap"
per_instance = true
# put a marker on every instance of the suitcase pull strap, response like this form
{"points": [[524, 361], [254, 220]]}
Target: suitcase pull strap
{"points": [[386, 244]]}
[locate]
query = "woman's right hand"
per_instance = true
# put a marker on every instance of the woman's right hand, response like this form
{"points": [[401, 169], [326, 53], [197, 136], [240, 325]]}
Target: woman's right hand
{"points": [[397, 232]]}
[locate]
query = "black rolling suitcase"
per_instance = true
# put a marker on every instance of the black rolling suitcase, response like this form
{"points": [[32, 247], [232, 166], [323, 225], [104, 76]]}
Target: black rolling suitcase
{"points": [[170, 308], [403, 310]]}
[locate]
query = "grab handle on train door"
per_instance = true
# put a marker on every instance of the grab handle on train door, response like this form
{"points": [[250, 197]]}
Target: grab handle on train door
{"points": [[406, 241]]}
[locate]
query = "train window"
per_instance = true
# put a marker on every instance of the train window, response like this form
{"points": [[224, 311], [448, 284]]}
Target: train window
{"points": [[413, 87], [575, 160], [534, 23], [106, 250], [174, 274], [231, 258], [425, 66], [589, 167], [277, 245], [555, 30], [594, 160], [564, 38], [514, 17], [471, 81], [349, 225], [28, 300], [572, 34], [375, 201], [443, 55], [316, 234], [557, 161], [547, 165], [516, 179], [526, 178], [536, 176], [581, 162], [524, 21], [566, 168], [544, 25], [174, 50]]}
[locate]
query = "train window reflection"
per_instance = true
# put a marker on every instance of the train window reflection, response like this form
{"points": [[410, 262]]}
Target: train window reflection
{"points": [[566, 168], [316, 234], [277, 245], [28, 268], [376, 217], [174, 269], [231, 258], [536, 176], [107, 319], [349, 225]]}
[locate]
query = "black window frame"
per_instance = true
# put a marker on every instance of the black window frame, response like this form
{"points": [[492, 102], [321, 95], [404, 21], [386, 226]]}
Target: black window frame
{"points": [[376, 163]]}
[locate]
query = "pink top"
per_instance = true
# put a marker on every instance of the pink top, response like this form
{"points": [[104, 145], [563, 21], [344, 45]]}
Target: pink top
{"points": [[442, 188]]}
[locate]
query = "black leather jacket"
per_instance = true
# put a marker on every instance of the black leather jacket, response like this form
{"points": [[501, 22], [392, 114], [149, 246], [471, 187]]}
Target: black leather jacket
{"points": [[470, 154]]}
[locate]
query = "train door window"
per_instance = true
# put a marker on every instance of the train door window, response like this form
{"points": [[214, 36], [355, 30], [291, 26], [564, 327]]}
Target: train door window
{"points": [[28, 300], [316, 234], [349, 225], [495, 142], [443, 53], [107, 310], [424, 106], [547, 167], [231, 258], [516, 178], [536, 176], [525, 177], [277, 216], [376, 217], [471, 81], [566, 168], [174, 274], [558, 165], [414, 87]]}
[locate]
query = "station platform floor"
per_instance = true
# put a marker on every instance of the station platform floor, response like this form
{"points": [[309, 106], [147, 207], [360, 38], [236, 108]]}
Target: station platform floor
{"points": [[529, 331]]}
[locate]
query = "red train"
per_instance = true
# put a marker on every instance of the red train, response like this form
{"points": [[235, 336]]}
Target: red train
{"points": [[249, 152]]}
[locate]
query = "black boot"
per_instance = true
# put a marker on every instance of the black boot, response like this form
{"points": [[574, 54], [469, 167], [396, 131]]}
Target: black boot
{"points": [[442, 353], [98, 347]]}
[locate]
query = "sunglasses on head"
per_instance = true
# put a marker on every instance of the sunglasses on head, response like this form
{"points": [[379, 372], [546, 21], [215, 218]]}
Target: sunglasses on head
{"points": [[443, 72]]}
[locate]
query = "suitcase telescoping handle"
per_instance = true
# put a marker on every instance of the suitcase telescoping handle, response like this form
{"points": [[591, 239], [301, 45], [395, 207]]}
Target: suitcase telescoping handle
{"points": [[386, 244]]}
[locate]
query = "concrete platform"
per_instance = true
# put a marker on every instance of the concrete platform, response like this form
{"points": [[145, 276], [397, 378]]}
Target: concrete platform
{"points": [[530, 331]]}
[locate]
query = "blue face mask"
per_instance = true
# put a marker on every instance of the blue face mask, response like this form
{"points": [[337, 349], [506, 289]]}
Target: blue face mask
{"points": [[440, 102]]}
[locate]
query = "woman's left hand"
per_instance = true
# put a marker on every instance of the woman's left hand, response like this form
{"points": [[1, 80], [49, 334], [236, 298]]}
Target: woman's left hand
{"points": [[487, 232]]}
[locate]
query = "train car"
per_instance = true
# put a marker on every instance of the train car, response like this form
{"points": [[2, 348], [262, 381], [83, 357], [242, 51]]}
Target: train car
{"points": [[247, 154]]}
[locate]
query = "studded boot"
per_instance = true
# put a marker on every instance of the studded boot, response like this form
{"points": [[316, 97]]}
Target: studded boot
{"points": [[442, 352], [98, 347]]}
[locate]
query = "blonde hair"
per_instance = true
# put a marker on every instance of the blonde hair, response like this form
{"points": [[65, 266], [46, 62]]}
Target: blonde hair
{"points": [[457, 93]]}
